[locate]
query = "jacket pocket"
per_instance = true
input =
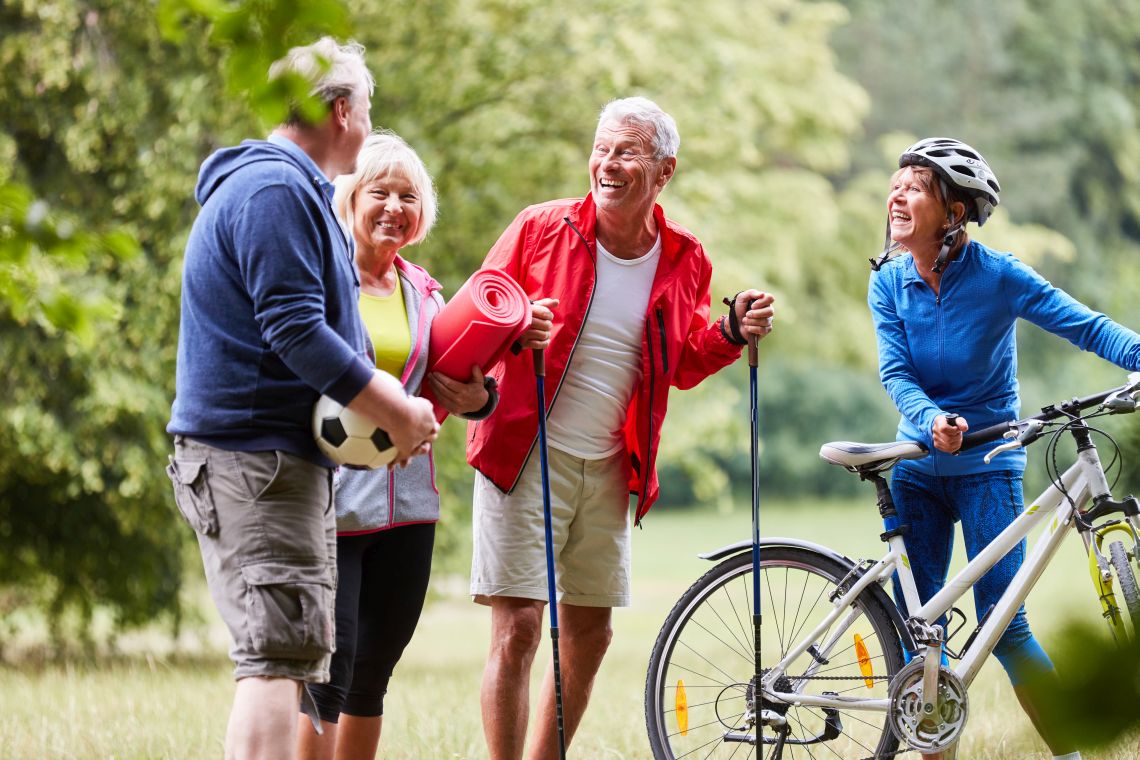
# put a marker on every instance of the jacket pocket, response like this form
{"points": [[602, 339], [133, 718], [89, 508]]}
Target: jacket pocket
{"points": [[192, 494], [289, 610]]}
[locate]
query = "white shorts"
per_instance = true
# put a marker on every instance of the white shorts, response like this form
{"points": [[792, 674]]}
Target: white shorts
{"points": [[589, 502]]}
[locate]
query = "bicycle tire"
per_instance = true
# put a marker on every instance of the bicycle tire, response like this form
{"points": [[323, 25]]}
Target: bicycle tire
{"points": [[1118, 558], [708, 639]]}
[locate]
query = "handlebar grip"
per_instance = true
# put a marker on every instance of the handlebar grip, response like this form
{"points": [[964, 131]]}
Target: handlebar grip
{"points": [[985, 435]]}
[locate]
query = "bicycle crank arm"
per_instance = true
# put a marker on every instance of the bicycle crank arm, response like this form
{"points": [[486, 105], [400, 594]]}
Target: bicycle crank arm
{"points": [[930, 679]]}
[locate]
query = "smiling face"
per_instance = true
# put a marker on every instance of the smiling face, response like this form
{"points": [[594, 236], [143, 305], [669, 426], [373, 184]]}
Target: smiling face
{"points": [[624, 175], [917, 216], [386, 214]]}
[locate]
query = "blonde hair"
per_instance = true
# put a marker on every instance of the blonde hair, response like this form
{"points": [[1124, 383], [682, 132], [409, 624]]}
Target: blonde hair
{"points": [[333, 70], [385, 154]]}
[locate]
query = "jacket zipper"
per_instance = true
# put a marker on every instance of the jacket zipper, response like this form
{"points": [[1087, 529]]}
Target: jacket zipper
{"points": [[647, 465], [664, 346], [573, 348], [938, 314]]}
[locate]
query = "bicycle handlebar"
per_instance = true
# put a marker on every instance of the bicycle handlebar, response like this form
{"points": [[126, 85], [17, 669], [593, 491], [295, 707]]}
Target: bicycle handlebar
{"points": [[1054, 411]]}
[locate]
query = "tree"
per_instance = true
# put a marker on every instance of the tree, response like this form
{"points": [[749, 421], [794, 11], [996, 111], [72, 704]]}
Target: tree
{"points": [[106, 122]]}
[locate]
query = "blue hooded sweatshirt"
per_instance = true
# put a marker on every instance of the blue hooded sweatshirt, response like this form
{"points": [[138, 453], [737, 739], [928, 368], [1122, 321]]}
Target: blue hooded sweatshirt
{"points": [[269, 304]]}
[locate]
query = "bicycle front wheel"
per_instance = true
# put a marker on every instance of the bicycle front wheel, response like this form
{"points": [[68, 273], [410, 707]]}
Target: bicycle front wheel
{"points": [[699, 688], [1122, 565]]}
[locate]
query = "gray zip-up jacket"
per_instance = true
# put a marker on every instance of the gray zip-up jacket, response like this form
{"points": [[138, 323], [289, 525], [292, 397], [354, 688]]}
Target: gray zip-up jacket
{"points": [[372, 500]]}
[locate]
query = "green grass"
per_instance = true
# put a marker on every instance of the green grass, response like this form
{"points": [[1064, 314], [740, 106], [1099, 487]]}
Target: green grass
{"points": [[151, 707]]}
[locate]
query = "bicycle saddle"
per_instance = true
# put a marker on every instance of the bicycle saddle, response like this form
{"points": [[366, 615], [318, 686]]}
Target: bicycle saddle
{"points": [[870, 457]]}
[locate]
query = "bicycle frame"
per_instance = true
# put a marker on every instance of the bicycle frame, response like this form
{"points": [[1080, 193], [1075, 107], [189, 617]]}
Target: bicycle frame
{"points": [[1083, 481]]}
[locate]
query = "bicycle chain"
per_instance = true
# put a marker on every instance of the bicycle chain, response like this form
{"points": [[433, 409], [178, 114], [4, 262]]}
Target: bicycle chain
{"points": [[897, 752], [838, 678]]}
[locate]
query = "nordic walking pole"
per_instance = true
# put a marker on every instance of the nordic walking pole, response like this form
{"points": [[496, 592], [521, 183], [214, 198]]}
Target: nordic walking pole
{"points": [[540, 384], [755, 460]]}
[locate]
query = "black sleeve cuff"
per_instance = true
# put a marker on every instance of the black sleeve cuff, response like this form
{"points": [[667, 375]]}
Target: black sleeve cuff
{"points": [[483, 413], [727, 335]]}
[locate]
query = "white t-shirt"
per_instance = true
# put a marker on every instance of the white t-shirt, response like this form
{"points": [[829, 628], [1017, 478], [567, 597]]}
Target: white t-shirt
{"points": [[590, 410]]}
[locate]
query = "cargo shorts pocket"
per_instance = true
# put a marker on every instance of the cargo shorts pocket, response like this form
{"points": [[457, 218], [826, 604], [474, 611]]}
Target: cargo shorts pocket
{"points": [[289, 610], [192, 494]]}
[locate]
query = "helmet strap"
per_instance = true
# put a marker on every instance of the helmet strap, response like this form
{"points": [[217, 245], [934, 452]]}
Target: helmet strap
{"points": [[947, 242], [889, 248]]}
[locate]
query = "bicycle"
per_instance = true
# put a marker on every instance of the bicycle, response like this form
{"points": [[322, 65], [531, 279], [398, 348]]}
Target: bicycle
{"points": [[835, 681]]}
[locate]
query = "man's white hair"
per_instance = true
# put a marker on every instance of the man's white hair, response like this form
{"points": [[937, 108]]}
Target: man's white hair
{"points": [[333, 70], [638, 110]]}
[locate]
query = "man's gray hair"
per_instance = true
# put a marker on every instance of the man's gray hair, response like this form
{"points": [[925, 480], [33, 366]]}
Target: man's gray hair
{"points": [[333, 70], [638, 110]]}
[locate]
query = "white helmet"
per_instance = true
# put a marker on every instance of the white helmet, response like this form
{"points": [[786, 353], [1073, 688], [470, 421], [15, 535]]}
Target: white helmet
{"points": [[960, 165]]}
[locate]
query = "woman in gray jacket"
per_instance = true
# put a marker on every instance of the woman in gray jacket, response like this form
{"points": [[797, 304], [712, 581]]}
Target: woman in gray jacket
{"points": [[385, 518]]}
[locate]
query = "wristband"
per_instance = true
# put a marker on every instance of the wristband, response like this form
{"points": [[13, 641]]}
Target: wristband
{"points": [[733, 323]]}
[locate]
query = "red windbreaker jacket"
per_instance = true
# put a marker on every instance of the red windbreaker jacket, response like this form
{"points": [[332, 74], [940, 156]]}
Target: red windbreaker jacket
{"points": [[550, 250]]}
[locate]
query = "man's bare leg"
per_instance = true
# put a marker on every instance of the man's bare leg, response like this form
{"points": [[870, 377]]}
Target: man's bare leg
{"points": [[584, 635], [516, 629], [263, 720]]}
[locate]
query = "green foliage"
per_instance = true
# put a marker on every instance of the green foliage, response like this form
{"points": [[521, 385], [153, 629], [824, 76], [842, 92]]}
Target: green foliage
{"points": [[107, 125], [1093, 702], [1048, 92], [252, 34]]}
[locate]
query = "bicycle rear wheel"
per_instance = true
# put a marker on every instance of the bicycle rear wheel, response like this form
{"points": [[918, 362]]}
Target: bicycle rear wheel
{"points": [[699, 685], [1122, 565]]}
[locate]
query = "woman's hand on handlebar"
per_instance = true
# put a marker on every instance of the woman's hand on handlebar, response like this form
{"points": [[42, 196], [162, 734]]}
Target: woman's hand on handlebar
{"points": [[947, 432]]}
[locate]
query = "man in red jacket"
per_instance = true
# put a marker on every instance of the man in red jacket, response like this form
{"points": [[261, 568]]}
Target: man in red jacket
{"points": [[631, 291]]}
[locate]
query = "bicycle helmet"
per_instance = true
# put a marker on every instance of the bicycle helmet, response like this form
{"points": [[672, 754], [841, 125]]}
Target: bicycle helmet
{"points": [[957, 164]]}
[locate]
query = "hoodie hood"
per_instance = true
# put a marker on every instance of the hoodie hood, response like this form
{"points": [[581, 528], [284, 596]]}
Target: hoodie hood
{"points": [[223, 163]]}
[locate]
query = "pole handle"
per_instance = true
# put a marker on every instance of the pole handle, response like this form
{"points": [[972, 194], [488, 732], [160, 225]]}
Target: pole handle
{"points": [[753, 353], [539, 362]]}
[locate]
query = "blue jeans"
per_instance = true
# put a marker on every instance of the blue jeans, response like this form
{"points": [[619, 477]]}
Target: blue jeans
{"points": [[985, 503]]}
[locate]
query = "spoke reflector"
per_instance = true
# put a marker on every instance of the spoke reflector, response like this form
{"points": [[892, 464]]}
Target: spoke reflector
{"points": [[865, 666], [682, 704]]}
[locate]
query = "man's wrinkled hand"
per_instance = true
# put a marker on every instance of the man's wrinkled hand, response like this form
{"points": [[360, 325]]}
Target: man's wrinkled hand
{"points": [[537, 336], [755, 312], [416, 436]]}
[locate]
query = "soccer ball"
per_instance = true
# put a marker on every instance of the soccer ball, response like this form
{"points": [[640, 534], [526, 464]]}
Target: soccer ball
{"points": [[349, 439]]}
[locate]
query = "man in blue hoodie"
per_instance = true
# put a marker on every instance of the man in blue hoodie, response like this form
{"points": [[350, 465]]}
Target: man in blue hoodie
{"points": [[270, 322]]}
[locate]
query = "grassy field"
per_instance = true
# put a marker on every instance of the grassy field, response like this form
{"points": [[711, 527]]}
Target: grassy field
{"points": [[151, 706]]}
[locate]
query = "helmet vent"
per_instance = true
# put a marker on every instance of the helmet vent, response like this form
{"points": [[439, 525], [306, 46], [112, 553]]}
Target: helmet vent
{"points": [[963, 169]]}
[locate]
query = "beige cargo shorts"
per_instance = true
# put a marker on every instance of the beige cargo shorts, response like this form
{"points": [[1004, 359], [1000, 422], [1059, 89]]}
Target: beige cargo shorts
{"points": [[266, 527]]}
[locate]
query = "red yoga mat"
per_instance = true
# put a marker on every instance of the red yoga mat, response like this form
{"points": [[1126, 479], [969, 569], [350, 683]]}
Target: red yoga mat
{"points": [[478, 325]]}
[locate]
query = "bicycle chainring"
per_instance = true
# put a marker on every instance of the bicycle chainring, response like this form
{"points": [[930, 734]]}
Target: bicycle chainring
{"points": [[921, 732]]}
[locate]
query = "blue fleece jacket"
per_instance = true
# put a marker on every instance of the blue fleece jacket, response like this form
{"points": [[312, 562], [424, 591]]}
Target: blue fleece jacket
{"points": [[269, 304], [957, 352]]}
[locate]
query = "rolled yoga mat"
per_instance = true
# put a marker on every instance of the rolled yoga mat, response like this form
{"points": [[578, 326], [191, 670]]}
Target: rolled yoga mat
{"points": [[478, 325]]}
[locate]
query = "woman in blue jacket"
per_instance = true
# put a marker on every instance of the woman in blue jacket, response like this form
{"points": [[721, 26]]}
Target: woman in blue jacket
{"points": [[945, 318]]}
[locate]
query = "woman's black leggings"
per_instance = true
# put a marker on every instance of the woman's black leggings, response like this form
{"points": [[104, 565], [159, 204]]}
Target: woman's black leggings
{"points": [[381, 584]]}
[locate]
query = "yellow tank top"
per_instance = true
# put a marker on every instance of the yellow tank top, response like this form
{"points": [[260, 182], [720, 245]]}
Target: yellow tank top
{"points": [[386, 319]]}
